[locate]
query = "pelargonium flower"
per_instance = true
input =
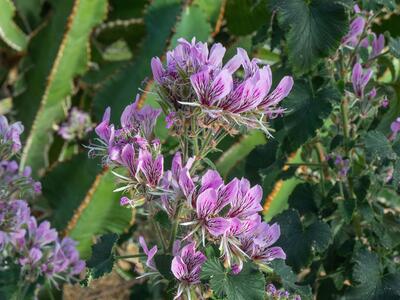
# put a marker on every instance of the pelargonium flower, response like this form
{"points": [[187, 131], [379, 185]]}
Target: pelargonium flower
{"points": [[151, 168], [377, 44], [10, 142], [343, 165], [136, 129], [257, 244], [360, 79], [280, 294], [15, 183], [176, 183], [14, 215], [195, 77], [356, 29], [36, 247], [228, 214], [150, 254], [186, 267], [77, 125]]}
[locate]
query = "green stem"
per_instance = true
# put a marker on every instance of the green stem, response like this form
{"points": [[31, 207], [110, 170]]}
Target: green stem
{"points": [[157, 227], [48, 288], [174, 227], [205, 147], [21, 291], [344, 109]]}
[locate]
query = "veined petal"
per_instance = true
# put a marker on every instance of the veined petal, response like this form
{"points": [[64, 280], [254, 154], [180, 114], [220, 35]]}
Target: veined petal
{"points": [[217, 226], [233, 64], [209, 90], [128, 158], [281, 91], [217, 52], [186, 183], [247, 205], [206, 203], [103, 129], [201, 83], [176, 165], [267, 235], [270, 254], [157, 69], [179, 268], [211, 179], [227, 193]]}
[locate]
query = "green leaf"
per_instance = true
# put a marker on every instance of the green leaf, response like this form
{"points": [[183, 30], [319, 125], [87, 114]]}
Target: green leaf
{"points": [[289, 279], [211, 8], [98, 213], [377, 145], [394, 46], [245, 16], [396, 174], [9, 31], [298, 241], [307, 109], [64, 189], [372, 283], [9, 280], [248, 284], [315, 30], [29, 11], [163, 264], [193, 23], [302, 199], [346, 208], [102, 259], [71, 60], [238, 151]]}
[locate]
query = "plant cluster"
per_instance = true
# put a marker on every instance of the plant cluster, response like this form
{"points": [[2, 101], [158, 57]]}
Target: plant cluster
{"points": [[219, 181], [204, 212], [30, 253]]}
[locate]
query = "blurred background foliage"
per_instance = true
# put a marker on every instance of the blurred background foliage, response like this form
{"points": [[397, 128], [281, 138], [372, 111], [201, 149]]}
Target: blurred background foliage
{"points": [[96, 53]]}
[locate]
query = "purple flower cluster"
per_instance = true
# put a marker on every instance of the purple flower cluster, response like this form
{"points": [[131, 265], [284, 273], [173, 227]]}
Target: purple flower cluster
{"points": [[17, 184], [228, 214], [36, 248], [186, 267], [358, 37], [10, 142], [343, 165], [122, 145], [275, 294], [197, 90], [77, 125], [195, 76]]}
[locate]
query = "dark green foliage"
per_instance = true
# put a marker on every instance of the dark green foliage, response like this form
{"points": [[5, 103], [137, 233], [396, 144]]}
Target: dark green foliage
{"points": [[289, 279], [300, 241], [314, 30], [394, 46], [246, 16], [163, 264], [102, 259], [371, 282], [248, 284], [377, 145], [79, 172], [309, 107]]}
